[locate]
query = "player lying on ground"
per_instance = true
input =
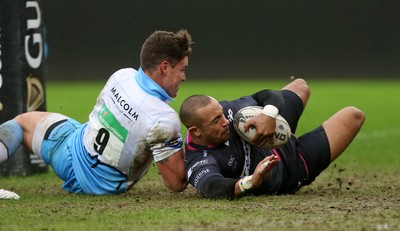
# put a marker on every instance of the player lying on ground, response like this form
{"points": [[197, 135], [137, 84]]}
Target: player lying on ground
{"points": [[130, 126], [220, 164]]}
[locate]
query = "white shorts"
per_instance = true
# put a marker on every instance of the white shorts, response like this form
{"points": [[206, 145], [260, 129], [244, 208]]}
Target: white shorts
{"points": [[42, 128]]}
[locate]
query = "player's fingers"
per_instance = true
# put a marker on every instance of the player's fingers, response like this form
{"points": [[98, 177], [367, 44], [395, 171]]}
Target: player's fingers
{"points": [[263, 167], [248, 124], [260, 140], [266, 164]]}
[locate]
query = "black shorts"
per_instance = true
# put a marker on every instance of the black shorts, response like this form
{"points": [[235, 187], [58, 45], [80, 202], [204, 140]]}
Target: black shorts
{"points": [[303, 158]]}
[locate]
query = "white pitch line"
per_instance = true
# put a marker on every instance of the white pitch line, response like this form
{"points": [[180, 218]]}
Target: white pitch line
{"points": [[378, 134]]}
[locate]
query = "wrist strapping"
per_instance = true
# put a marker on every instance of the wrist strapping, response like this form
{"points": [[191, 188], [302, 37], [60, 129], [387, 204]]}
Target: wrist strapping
{"points": [[245, 183], [270, 110]]}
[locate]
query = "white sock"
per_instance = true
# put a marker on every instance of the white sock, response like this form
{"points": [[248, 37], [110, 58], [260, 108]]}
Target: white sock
{"points": [[3, 153]]}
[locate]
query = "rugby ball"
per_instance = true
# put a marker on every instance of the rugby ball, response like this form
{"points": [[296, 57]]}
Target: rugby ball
{"points": [[282, 131]]}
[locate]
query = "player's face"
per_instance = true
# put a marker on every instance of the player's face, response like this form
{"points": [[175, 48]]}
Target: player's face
{"points": [[214, 129], [175, 75]]}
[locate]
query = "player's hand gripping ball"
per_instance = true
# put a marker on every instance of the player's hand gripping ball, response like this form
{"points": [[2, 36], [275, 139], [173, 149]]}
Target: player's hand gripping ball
{"points": [[282, 131]]}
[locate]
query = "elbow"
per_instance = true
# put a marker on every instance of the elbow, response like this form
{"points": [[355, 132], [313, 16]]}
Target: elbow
{"points": [[177, 186]]}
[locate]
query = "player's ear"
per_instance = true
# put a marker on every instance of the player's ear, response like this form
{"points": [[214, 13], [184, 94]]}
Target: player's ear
{"points": [[194, 131], [164, 66]]}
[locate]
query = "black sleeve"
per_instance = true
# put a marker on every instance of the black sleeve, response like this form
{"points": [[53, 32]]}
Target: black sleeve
{"points": [[269, 97], [219, 187]]}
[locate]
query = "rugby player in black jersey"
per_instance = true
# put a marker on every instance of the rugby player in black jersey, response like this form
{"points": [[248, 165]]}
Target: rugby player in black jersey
{"points": [[220, 165]]}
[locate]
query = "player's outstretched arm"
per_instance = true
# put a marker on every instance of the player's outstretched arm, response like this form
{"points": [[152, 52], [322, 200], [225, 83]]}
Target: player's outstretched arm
{"points": [[172, 170], [260, 174], [217, 186]]}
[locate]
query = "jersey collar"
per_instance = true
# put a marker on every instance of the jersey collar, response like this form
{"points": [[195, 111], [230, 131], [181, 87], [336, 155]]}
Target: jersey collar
{"points": [[193, 146], [151, 87]]}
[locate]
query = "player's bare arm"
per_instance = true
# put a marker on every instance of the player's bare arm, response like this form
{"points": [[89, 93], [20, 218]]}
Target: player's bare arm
{"points": [[172, 170]]}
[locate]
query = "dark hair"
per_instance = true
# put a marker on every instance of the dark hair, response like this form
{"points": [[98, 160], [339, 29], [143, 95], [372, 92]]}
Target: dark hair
{"points": [[188, 111], [165, 45]]}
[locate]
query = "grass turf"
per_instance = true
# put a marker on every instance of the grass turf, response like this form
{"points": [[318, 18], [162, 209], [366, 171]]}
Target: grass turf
{"points": [[357, 192]]}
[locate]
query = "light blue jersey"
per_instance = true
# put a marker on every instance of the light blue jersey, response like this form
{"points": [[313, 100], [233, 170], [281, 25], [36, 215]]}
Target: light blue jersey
{"points": [[130, 126]]}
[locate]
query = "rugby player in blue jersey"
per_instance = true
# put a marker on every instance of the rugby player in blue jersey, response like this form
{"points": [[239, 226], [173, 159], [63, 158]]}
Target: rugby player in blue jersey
{"points": [[221, 165], [130, 126]]}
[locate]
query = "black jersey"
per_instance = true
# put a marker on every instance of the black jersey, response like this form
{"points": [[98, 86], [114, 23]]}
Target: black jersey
{"points": [[299, 163], [232, 159]]}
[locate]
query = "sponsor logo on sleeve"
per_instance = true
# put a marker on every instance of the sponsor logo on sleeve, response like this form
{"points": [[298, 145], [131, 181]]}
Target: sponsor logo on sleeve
{"points": [[200, 175], [199, 163]]}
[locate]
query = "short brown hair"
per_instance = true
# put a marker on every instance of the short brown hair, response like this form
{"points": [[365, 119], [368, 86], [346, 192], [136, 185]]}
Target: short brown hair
{"points": [[165, 45]]}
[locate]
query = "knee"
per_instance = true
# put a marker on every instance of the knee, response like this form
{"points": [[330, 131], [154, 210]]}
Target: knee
{"points": [[21, 117], [299, 86], [28, 117], [302, 86], [358, 116], [28, 120], [300, 81], [25, 115]]}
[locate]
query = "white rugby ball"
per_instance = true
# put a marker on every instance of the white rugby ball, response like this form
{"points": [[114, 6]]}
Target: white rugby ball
{"points": [[282, 131]]}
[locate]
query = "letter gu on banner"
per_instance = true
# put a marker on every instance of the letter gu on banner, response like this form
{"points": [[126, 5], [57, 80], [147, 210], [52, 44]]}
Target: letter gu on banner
{"points": [[22, 86]]}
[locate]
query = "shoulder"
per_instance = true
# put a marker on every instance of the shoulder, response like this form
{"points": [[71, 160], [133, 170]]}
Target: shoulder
{"points": [[238, 103], [165, 126], [124, 73], [121, 77], [231, 107], [197, 155], [197, 160], [163, 115]]}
